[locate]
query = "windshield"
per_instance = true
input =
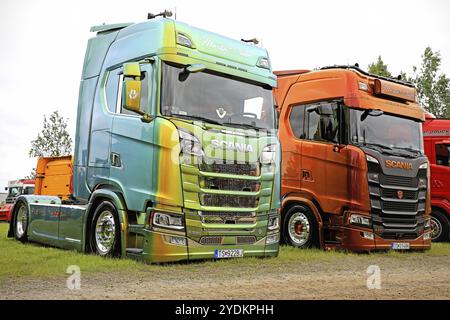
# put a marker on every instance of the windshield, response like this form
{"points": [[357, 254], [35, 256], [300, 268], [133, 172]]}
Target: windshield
{"points": [[386, 131], [216, 99], [14, 191]]}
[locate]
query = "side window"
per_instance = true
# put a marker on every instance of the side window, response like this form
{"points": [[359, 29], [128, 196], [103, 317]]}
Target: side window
{"points": [[144, 93], [112, 88], [443, 155], [322, 122], [296, 120]]}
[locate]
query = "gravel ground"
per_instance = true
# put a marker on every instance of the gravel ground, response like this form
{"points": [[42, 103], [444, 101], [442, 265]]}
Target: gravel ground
{"points": [[402, 277]]}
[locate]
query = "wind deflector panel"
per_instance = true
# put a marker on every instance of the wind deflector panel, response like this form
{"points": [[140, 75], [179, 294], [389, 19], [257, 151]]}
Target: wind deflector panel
{"points": [[95, 54]]}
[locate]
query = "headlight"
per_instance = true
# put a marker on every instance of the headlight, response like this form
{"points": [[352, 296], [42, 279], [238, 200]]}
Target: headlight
{"points": [[371, 159], [189, 144], [427, 224], [268, 154], [273, 223], [424, 166], [359, 220], [166, 220]]}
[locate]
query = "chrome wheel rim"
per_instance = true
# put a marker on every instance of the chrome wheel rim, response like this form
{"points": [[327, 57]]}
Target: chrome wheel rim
{"points": [[21, 221], [436, 228], [299, 228], [105, 231]]}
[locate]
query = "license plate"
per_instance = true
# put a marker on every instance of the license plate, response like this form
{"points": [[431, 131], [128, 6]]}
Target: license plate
{"points": [[400, 246], [229, 253]]}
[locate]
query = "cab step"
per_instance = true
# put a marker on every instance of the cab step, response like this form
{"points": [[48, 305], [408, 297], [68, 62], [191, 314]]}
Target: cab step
{"points": [[136, 229]]}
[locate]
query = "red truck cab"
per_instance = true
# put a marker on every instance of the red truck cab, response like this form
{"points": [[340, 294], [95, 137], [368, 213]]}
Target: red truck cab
{"points": [[436, 136], [15, 188]]}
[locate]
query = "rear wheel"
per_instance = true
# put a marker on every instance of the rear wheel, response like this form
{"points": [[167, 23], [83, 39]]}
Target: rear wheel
{"points": [[21, 222], [105, 230], [299, 227], [439, 226]]}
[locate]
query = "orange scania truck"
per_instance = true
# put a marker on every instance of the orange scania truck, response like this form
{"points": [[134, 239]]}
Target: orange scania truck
{"points": [[354, 173]]}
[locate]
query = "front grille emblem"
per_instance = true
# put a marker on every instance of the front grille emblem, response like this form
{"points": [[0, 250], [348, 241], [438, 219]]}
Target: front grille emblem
{"points": [[400, 194]]}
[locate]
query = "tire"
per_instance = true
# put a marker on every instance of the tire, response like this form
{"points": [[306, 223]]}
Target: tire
{"points": [[105, 231], [20, 224], [299, 227], [439, 226]]}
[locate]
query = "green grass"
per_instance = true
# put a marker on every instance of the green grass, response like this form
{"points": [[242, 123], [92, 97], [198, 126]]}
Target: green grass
{"points": [[33, 260]]}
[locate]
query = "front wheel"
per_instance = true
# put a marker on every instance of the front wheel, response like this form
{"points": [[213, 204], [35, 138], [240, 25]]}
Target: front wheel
{"points": [[439, 227], [21, 222], [105, 230], [299, 227]]}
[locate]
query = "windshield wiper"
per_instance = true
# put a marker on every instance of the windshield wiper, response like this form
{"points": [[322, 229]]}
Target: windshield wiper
{"points": [[243, 125], [411, 150], [198, 118]]}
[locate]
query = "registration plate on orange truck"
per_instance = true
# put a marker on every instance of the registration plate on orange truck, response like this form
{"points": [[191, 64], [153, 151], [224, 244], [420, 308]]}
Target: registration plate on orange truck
{"points": [[400, 246], [228, 253]]}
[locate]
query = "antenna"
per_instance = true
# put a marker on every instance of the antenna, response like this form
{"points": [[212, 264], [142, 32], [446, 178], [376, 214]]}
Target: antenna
{"points": [[165, 14], [253, 40]]}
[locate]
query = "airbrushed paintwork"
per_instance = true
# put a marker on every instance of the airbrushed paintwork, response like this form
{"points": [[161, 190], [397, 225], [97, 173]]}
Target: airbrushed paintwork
{"points": [[336, 181], [148, 177]]}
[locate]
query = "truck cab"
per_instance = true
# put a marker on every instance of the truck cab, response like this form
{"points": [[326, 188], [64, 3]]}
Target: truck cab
{"points": [[15, 189], [354, 173], [436, 136], [176, 150]]}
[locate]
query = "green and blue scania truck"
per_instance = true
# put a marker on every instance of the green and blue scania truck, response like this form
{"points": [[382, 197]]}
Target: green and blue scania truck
{"points": [[176, 150]]}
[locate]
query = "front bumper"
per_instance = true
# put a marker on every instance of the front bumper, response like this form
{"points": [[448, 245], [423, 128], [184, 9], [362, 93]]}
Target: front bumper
{"points": [[157, 248], [352, 238]]}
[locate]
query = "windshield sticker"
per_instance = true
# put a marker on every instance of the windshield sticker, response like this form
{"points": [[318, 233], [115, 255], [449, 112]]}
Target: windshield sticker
{"points": [[253, 107]]}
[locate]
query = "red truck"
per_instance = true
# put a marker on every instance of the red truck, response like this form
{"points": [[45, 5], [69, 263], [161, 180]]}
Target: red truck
{"points": [[15, 188], [436, 136]]}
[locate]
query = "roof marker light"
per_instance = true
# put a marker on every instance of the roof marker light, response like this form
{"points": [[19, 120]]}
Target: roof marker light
{"points": [[363, 86], [263, 62], [184, 40]]}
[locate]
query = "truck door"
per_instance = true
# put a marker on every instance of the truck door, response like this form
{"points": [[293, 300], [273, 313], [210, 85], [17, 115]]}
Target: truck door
{"points": [[132, 145], [324, 170], [440, 171]]}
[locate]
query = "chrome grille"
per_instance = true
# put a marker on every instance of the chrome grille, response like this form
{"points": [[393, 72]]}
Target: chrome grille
{"points": [[393, 194], [230, 184], [229, 217], [397, 209], [214, 200], [248, 169]]}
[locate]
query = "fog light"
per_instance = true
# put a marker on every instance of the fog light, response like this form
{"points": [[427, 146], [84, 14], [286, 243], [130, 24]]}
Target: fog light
{"points": [[359, 220], [179, 241], [274, 238], [427, 236], [367, 235]]}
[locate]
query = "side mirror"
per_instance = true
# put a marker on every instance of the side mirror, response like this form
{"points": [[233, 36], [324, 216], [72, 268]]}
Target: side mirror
{"points": [[132, 87]]}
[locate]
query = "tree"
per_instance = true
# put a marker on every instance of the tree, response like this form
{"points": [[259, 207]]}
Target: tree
{"points": [[379, 68], [433, 87], [32, 174], [54, 140]]}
